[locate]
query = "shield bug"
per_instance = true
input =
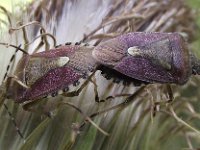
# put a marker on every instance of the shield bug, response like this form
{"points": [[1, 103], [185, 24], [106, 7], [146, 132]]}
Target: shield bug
{"points": [[50, 72], [149, 57]]}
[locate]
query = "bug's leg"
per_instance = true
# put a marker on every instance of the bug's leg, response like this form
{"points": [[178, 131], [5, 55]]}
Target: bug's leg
{"points": [[14, 122], [96, 91], [4, 96], [111, 97], [5, 84], [16, 79], [76, 126], [114, 96], [85, 117], [2, 99], [121, 105], [98, 100], [78, 91], [30, 106]]}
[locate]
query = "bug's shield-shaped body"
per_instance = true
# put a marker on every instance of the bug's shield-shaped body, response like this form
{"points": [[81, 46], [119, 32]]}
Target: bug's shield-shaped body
{"points": [[150, 57], [51, 71]]}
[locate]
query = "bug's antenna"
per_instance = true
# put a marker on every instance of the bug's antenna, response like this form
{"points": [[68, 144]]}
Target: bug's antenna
{"points": [[14, 122], [11, 59], [3, 92]]}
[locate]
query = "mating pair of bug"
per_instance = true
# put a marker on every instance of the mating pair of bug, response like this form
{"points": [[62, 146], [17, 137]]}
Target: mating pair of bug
{"points": [[141, 57]]}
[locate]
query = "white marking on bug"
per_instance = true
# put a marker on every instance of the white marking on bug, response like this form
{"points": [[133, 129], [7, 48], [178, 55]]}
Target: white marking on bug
{"points": [[63, 61], [134, 51]]}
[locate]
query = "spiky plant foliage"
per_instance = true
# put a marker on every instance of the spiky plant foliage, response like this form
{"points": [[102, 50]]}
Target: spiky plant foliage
{"points": [[133, 123]]}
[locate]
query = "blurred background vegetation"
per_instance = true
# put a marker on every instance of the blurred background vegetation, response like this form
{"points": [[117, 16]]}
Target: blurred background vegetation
{"points": [[195, 4], [131, 126]]}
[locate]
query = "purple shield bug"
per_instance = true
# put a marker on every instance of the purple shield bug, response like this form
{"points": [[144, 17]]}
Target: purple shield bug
{"points": [[149, 57], [50, 72]]}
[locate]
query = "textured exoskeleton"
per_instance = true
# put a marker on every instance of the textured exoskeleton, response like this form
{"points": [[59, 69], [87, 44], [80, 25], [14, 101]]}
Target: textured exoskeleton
{"points": [[51, 72], [149, 57]]}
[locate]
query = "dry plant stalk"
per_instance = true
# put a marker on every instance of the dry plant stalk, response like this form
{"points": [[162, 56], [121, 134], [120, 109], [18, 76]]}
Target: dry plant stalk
{"points": [[122, 16]]}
